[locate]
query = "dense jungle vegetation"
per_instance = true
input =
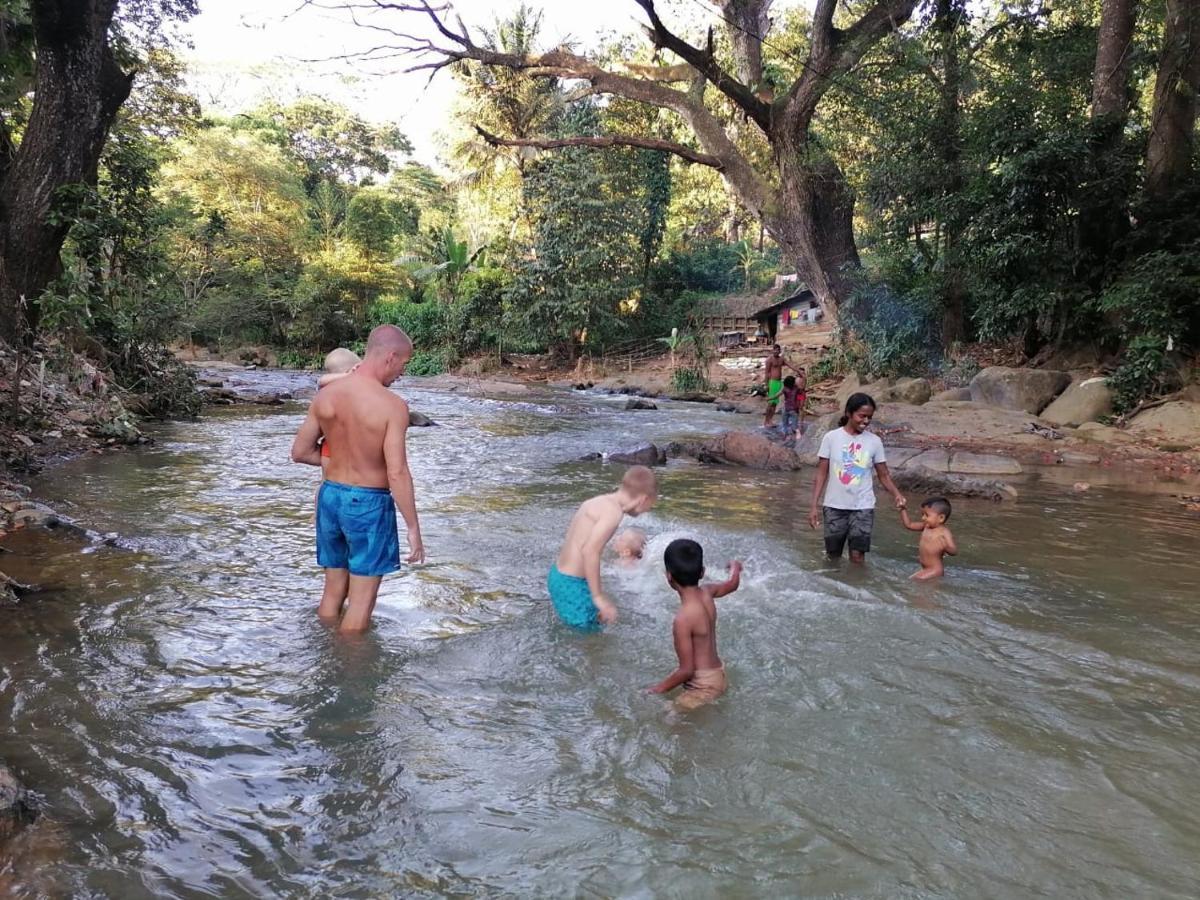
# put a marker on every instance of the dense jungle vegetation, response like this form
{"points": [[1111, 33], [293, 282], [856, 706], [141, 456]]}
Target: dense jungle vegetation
{"points": [[938, 172]]}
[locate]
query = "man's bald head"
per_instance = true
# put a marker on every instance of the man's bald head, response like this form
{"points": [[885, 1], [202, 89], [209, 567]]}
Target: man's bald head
{"points": [[389, 339], [388, 351]]}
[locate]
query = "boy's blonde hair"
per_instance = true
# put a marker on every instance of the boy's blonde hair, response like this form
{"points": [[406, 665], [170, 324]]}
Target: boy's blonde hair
{"points": [[639, 481], [341, 360]]}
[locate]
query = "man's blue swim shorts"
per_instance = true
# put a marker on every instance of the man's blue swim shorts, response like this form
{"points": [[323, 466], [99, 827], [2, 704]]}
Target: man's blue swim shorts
{"points": [[572, 599], [356, 529]]}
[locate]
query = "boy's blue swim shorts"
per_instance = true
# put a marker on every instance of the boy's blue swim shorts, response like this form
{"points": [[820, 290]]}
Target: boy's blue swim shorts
{"points": [[572, 599], [356, 529]]}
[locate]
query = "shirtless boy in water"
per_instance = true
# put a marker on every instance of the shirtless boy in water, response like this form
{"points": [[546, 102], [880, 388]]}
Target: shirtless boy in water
{"points": [[700, 670], [936, 539], [574, 580]]}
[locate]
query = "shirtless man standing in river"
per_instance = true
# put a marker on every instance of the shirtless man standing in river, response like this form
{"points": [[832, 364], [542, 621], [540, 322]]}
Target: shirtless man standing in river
{"points": [[775, 363], [367, 478]]}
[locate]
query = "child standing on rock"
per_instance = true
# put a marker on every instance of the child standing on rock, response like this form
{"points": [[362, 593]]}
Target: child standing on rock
{"points": [[844, 491]]}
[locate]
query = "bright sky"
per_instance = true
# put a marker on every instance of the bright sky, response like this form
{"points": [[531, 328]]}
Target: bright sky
{"points": [[246, 52]]}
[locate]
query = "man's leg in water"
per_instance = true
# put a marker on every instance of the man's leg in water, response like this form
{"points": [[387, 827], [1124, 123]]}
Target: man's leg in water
{"points": [[363, 591], [337, 583]]}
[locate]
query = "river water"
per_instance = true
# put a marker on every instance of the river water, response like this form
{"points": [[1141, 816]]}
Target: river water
{"points": [[1026, 728]]}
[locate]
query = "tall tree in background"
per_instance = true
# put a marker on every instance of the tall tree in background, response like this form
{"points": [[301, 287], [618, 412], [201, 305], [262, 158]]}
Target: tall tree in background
{"points": [[1173, 120], [801, 196]]}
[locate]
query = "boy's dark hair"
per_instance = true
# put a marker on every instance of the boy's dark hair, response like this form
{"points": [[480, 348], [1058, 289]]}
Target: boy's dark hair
{"points": [[939, 505], [684, 560], [854, 404], [790, 381]]}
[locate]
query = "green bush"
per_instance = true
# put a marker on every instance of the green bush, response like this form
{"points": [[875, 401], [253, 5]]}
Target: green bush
{"points": [[686, 380], [432, 362], [424, 322]]}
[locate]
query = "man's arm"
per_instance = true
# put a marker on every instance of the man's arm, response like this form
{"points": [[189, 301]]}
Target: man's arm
{"points": [[814, 514], [731, 584], [885, 478], [683, 649], [909, 524], [395, 457], [330, 377], [305, 448], [608, 518]]}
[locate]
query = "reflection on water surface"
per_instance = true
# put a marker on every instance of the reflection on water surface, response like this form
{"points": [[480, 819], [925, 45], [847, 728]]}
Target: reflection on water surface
{"points": [[1028, 727]]}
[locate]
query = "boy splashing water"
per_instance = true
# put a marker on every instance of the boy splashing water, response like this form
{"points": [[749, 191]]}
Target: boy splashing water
{"points": [[936, 539], [695, 629], [574, 580]]}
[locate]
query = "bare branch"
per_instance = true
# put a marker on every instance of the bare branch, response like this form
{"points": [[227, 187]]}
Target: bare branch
{"points": [[604, 143], [704, 61]]}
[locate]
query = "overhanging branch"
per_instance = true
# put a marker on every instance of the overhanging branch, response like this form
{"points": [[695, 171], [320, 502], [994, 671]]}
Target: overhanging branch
{"points": [[705, 62], [606, 142]]}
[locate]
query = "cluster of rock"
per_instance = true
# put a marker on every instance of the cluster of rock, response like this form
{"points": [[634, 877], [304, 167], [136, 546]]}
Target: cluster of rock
{"points": [[1057, 399]]}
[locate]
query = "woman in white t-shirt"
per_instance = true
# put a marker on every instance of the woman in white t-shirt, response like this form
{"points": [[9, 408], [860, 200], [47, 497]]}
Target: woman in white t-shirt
{"points": [[846, 501]]}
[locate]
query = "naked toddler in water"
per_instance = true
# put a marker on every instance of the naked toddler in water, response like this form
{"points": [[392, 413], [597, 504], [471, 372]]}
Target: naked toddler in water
{"points": [[937, 540]]}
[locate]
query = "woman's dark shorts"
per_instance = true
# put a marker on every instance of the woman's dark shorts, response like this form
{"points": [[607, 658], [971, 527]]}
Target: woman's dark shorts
{"points": [[852, 525]]}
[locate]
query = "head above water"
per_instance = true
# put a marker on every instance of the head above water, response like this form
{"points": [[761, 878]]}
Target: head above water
{"points": [[641, 488], [937, 510], [630, 543], [860, 409], [341, 360], [388, 351], [684, 560]]}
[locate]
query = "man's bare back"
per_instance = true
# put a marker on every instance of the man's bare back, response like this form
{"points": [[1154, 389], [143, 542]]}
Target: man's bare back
{"points": [[355, 414]]}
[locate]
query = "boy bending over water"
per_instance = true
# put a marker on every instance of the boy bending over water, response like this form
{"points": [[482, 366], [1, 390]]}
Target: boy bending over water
{"points": [[574, 580], [936, 539], [700, 670]]}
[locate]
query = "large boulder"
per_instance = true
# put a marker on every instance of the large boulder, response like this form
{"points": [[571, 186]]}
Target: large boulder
{"points": [[952, 395], [694, 397], [753, 450], [650, 455], [640, 403], [815, 429], [1083, 401], [927, 483], [913, 391], [1174, 426], [851, 385], [1030, 390]]}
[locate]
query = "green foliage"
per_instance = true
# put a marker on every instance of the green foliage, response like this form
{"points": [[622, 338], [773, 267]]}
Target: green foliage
{"points": [[431, 362], [586, 269], [840, 359], [424, 322], [688, 380]]}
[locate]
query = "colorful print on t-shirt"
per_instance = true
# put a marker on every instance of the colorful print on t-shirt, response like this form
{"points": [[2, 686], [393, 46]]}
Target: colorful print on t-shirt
{"points": [[855, 463]]}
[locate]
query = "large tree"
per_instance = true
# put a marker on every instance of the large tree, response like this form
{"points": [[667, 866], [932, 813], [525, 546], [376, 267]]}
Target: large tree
{"points": [[795, 188], [78, 84]]}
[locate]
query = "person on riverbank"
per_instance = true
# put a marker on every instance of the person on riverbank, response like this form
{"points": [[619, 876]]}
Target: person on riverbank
{"points": [[367, 479], [574, 579], [699, 670], [846, 501], [774, 365], [937, 541]]}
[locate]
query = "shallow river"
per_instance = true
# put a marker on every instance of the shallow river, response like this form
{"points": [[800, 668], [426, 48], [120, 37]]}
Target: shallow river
{"points": [[1030, 727]]}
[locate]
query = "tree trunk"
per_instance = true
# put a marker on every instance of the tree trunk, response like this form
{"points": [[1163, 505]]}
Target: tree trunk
{"points": [[815, 223], [1103, 208], [1173, 122], [79, 88], [748, 22], [949, 18]]}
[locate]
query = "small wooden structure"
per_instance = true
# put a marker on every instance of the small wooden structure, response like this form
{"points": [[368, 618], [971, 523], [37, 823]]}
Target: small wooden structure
{"points": [[798, 309]]}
